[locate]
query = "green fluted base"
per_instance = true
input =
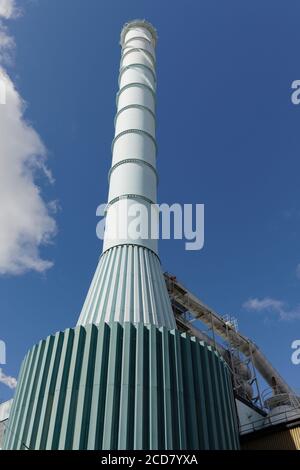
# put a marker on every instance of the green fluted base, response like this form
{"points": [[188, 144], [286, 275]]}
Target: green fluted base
{"points": [[123, 387]]}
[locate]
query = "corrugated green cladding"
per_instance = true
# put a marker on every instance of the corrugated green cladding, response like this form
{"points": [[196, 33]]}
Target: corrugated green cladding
{"points": [[127, 386]]}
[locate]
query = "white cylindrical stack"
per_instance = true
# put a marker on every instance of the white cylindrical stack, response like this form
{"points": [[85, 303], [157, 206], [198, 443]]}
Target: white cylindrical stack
{"points": [[133, 177], [128, 285]]}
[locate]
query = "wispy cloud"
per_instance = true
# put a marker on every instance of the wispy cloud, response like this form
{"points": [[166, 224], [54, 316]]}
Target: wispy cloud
{"points": [[292, 213], [273, 306], [11, 382], [26, 221]]}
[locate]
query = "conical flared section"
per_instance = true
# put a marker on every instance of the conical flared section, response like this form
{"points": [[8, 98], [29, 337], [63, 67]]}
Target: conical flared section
{"points": [[128, 286]]}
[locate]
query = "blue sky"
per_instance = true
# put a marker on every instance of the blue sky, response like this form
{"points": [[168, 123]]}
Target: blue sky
{"points": [[228, 137]]}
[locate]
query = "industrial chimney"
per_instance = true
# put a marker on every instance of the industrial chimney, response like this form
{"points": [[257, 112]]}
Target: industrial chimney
{"points": [[125, 377], [128, 285]]}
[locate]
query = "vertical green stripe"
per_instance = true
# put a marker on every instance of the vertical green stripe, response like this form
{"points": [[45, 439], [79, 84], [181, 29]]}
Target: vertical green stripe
{"points": [[201, 399], [224, 410], [209, 394], [111, 419], [95, 436], [179, 398], [160, 391], [60, 392], [154, 416], [217, 399], [189, 394], [127, 397], [36, 410], [168, 422], [30, 396], [232, 407], [141, 434], [85, 392], [49, 393], [69, 413]]}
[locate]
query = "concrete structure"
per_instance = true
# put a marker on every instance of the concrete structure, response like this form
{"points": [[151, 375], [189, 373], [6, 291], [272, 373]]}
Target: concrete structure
{"points": [[125, 378]]}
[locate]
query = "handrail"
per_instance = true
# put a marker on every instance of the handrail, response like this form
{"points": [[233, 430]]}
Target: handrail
{"points": [[268, 421]]}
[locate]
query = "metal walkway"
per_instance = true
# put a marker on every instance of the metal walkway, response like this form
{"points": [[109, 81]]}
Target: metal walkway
{"points": [[187, 301]]}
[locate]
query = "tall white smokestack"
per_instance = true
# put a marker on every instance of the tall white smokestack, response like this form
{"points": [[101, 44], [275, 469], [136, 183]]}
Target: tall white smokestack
{"points": [[128, 285]]}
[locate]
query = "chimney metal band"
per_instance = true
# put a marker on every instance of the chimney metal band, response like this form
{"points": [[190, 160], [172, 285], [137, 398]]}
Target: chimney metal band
{"points": [[128, 196], [132, 160], [132, 85], [130, 244], [134, 106], [138, 24], [134, 131], [139, 49], [143, 66], [139, 38]]}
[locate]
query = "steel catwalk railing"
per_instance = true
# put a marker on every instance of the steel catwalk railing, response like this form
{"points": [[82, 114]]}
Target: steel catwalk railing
{"points": [[205, 314]]}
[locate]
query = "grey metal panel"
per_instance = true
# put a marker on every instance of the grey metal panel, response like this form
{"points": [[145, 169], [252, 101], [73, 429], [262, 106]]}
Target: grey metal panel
{"points": [[130, 386]]}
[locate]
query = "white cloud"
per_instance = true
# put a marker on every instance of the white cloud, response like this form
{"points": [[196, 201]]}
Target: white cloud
{"points": [[8, 9], [263, 304], [298, 271], [11, 382], [274, 306], [25, 218]]}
